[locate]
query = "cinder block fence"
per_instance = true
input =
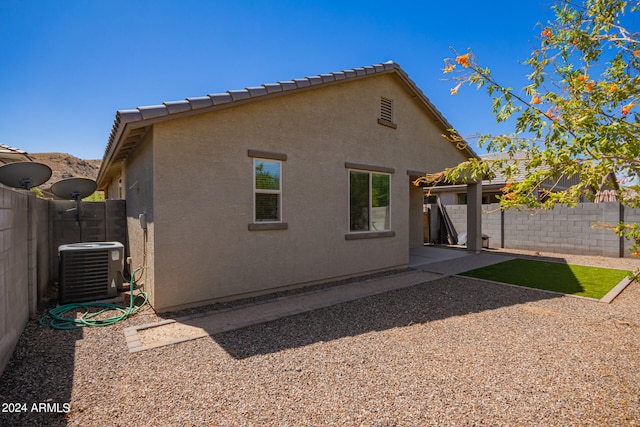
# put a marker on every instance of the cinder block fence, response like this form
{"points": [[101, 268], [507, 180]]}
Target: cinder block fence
{"points": [[18, 265], [560, 230], [31, 230]]}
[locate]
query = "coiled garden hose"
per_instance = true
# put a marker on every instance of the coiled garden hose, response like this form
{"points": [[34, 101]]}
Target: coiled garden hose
{"points": [[56, 319]]}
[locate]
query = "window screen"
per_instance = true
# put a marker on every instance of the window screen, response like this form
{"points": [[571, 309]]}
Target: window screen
{"points": [[268, 190]]}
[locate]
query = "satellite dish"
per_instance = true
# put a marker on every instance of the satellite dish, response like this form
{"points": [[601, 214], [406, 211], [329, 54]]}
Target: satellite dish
{"points": [[24, 174], [74, 188]]}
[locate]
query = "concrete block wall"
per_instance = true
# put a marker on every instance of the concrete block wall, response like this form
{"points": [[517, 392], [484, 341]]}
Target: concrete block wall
{"points": [[41, 247], [631, 216], [492, 223], [30, 231], [564, 230], [14, 270], [561, 230], [458, 216]]}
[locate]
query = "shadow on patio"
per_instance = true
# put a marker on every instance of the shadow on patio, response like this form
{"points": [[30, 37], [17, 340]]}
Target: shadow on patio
{"points": [[420, 304], [427, 292]]}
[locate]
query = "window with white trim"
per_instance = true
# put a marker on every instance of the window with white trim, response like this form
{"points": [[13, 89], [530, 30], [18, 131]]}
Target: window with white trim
{"points": [[267, 189], [369, 201]]}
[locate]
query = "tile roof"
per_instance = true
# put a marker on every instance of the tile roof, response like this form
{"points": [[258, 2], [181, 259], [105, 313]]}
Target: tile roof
{"points": [[12, 150], [501, 178], [120, 143], [174, 107], [12, 154]]}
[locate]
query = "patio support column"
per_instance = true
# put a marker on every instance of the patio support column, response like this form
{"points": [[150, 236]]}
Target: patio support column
{"points": [[474, 217]]}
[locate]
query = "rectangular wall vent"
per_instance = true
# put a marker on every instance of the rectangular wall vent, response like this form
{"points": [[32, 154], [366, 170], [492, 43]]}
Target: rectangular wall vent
{"points": [[386, 109], [386, 113]]}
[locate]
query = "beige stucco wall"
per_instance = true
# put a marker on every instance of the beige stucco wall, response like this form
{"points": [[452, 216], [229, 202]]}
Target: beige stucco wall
{"points": [[203, 194], [416, 213], [115, 188], [138, 186]]}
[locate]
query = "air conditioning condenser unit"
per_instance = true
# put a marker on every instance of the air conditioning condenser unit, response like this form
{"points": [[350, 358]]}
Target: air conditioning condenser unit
{"points": [[89, 271]]}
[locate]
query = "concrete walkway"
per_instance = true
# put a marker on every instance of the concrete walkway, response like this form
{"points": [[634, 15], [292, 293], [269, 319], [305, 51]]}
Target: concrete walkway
{"points": [[449, 261], [428, 263]]}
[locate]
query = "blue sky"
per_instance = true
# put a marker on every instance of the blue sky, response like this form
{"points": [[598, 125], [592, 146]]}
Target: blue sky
{"points": [[68, 66]]}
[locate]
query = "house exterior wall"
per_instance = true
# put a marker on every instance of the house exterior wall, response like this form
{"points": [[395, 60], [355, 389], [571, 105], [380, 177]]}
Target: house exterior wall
{"points": [[416, 217], [450, 198], [139, 193], [116, 187], [203, 190]]}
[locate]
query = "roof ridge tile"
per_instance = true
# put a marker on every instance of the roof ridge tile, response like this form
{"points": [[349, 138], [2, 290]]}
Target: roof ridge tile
{"points": [[174, 107], [125, 116], [302, 82], [220, 98], [288, 85], [238, 94], [315, 80], [151, 111], [327, 77], [200, 102], [272, 87], [256, 91]]}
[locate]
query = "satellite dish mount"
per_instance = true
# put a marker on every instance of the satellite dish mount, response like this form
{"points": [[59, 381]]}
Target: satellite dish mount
{"points": [[75, 189]]}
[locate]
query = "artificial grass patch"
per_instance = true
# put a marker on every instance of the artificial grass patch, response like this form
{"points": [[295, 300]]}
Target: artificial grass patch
{"points": [[592, 282]]}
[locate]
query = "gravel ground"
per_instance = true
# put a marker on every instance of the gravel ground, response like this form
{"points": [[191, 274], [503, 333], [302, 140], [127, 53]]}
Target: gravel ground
{"points": [[454, 351]]}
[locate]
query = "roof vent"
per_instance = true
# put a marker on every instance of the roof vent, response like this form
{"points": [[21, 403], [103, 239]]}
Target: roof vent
{"points": [[386, 113]]}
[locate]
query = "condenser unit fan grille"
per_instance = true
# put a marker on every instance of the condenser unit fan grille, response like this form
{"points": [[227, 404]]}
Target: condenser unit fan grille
{"points": [[87, 275]]}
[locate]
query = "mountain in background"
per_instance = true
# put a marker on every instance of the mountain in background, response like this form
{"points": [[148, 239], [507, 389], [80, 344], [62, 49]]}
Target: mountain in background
{"points": [[67, 166]]}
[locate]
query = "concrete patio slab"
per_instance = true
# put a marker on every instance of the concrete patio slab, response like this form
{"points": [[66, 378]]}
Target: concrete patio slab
{"points": [[432, 254], [449, 261], [463, 264]]}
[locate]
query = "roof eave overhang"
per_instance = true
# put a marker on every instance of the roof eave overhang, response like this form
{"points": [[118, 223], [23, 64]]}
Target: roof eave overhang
{"points": [[130, 126]]}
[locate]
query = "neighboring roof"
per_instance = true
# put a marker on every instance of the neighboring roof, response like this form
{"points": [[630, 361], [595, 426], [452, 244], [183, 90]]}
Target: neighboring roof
{"points": [[129, 125], [499, 180], [12, 154]]}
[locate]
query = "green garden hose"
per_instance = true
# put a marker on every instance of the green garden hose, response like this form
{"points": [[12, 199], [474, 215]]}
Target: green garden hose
{"points": [[55, 317]]}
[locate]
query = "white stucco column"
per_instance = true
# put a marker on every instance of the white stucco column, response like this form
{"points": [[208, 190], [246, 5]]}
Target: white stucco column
{"points": [[474, 217]]}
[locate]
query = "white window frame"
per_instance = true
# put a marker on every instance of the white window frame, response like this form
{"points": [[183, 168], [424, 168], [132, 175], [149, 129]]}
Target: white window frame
{"points": [[370, 203], [264, 191]]}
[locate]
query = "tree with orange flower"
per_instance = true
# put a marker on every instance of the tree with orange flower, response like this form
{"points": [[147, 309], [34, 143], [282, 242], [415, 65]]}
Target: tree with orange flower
{"points": [[578, 114]]}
